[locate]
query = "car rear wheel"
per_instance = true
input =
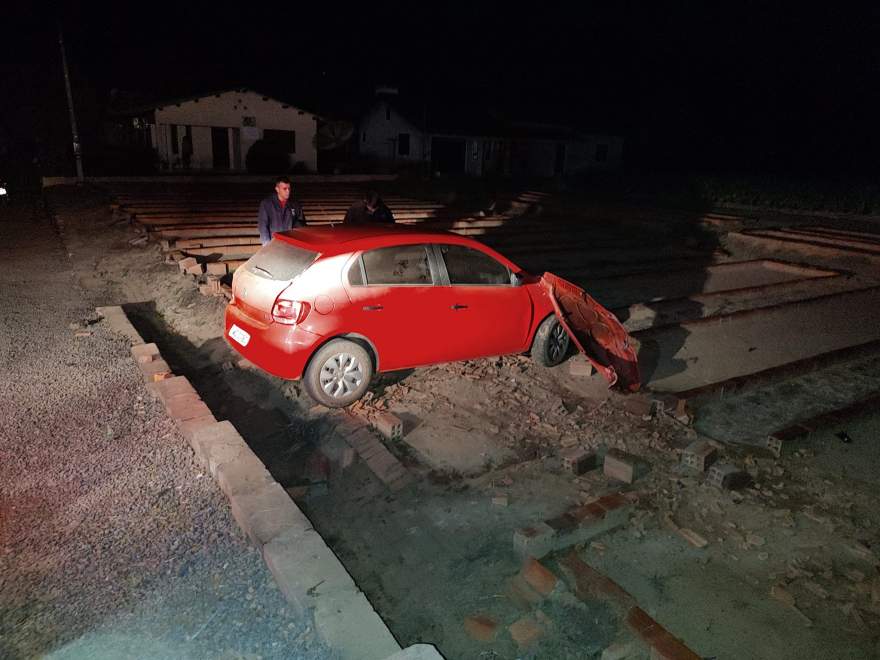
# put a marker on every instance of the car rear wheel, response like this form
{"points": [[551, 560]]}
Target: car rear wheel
{"points": [[551, 343], [338, 374]]}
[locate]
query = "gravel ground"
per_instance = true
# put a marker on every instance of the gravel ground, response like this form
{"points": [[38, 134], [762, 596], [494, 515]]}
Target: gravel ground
{"points": [[113, 543]]}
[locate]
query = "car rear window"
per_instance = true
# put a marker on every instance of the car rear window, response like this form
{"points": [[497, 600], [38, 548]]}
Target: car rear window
{"points": [[280, 261], [468, 266], [396, 265]]}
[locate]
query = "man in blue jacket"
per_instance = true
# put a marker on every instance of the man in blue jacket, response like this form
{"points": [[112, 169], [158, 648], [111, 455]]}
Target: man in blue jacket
{"points": [[278, 212]]}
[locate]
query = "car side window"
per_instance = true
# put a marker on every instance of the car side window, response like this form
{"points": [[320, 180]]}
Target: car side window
{"points": [[468, 266], [397, 265]]}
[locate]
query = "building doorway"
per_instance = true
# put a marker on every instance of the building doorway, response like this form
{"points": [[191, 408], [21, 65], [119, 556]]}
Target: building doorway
{"points": [[220, 147]]}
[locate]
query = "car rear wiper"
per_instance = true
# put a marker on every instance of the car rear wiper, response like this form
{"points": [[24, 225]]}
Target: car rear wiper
{"points": [[264, 270]]}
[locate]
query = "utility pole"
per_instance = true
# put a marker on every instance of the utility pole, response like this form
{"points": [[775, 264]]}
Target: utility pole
{"points": [[77, 148]]}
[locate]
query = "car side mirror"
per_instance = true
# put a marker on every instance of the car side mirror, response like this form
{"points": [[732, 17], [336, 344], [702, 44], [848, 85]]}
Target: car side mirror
{"points": [[516, 279]]}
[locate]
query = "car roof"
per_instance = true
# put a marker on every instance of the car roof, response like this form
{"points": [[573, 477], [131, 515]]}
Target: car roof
{"points": [[340, 239]]}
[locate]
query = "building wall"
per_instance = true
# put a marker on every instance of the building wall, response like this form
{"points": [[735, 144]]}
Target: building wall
{"points": [[379, 131], [230, 110]]}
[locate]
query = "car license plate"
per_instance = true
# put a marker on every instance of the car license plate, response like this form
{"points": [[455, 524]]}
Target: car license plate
{"points": [[239, 335]]}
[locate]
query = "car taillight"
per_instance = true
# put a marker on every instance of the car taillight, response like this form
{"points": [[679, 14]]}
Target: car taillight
{"points": [[289, 312]]}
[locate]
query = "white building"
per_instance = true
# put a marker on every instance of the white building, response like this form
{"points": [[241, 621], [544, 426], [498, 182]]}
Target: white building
{"points": [[219, 129], [477, 144]]}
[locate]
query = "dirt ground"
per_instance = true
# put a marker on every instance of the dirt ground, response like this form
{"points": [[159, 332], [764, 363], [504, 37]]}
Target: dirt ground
{"points": [[789, 570]]}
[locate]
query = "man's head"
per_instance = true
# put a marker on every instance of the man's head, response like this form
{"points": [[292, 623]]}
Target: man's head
{"points": [[282, 188], [371, 201]]}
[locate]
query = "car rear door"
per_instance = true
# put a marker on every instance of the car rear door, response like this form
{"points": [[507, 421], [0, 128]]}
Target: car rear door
{"points": [[396, 305], [484, 312]]}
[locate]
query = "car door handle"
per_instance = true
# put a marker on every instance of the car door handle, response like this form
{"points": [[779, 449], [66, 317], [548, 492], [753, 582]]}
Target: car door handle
{"points": [[373, 308], [457, 307]]}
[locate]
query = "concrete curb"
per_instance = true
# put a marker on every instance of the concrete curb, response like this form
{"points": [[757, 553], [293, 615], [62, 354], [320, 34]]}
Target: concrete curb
{"points": [[308, 573]]}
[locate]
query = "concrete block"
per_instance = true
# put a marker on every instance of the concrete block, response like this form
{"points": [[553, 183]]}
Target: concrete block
{"points": [[638, 404], [699, 456], [244, 475], [305, 569], [578, 460], [351, 627], [630, 650], [144, 353], [265, 513], [216, 268], [623, 467], [186, 262], [388, 425], [727, 476], [535, 541], [205, 289], [217, 444]]}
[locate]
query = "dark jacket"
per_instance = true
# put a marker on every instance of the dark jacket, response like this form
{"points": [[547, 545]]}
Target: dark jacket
{"points": [[272, 218], [359, 215]]}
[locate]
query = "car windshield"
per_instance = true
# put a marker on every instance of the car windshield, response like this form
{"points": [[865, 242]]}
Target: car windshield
{"points": [[280, 261]]}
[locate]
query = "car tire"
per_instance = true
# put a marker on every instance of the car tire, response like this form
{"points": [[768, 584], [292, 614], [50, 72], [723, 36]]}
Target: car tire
{"points": [[338, 374], [551, 344]]}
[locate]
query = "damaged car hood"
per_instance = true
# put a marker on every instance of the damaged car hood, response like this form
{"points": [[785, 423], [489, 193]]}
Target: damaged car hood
{"points": [[595, 331]]}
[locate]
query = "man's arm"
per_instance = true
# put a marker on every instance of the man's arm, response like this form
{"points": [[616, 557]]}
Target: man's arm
{"points": [[263, 223], [385, 214]]}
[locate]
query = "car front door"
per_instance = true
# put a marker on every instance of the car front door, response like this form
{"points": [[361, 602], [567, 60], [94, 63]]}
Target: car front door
{"points": [[486, 314], [396, 305]]}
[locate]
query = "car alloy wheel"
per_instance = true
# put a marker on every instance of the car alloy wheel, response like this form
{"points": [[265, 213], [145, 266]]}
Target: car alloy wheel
{"points": [[341, 375], [557, 344]]}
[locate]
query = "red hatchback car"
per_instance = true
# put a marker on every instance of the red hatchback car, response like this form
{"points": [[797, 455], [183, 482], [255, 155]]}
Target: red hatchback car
{"points": [[335, 305]]}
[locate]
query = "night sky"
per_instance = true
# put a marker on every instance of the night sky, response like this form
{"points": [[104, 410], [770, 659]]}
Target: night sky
{"points": [[731, 87]]}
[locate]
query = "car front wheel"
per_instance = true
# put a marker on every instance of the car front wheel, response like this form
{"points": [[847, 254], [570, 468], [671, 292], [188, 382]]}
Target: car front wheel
{"points": [[338, 374], [551, 343]]}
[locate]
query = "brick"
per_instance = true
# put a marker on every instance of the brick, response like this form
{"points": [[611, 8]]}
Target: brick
{"points": [[216, 268], [171, 387], [613, 501], [521, 594], [186, 406], [388, 425], [195, 269], [143, 353], [535, 541], [500, 500], [578, 460], [158, 367], [266, 512], [205, 289], [699, 456], [726, 476], [622, 466], [525, 631], [539, 577], [347, 458], [185, 263], [665, 646], [590, 584], [481, 627]]}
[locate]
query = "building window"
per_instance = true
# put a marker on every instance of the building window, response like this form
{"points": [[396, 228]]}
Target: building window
{"points": [[174, 145], [387, 113], [601, 153], [284, 139], [403, 144]]}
